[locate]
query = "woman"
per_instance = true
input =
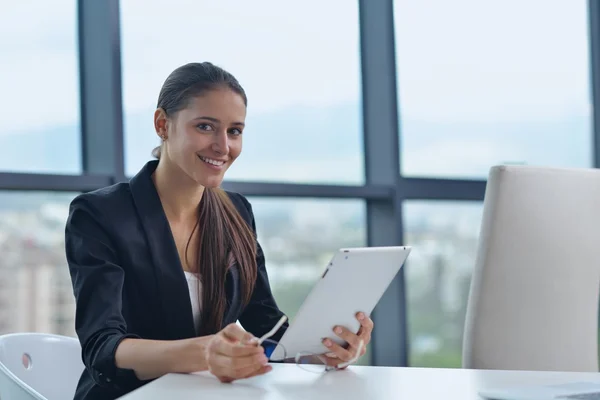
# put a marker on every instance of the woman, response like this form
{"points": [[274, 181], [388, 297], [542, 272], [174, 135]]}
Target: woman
{"points": [[163, 266]]}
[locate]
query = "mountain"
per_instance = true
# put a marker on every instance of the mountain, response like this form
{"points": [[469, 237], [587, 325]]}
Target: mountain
{"points": [[467, 149], [55, 149]]}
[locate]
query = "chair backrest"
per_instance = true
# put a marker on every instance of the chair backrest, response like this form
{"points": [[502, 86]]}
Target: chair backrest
{"points": [[39, 366], [533, 302]]}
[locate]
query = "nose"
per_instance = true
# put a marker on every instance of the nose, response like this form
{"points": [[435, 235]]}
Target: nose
{"points": [[220, 143]]}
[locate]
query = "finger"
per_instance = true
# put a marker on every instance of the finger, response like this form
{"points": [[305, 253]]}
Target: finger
{"points": [[230, 349], [366, 323], [236, 333], [263, 369], [365, 336], [247, 367], [363, 351], [330, 361], [351, 338], [236, 368], [366, 327], [256, 358], [216, 367], [338, 350]]}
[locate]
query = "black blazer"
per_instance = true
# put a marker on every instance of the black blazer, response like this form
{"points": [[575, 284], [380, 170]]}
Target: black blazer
{"points": [[128, 281]]}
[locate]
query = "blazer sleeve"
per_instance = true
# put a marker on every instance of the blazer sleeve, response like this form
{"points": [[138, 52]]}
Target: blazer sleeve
{"points": [[97, 280], [262, 313]]}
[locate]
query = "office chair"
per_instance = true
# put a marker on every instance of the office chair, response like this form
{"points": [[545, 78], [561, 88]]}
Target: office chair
{"points": [[533, 301], [38, 366]]}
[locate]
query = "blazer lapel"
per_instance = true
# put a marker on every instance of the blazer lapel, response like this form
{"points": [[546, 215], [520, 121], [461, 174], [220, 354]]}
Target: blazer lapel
{"points": [[172, 285]]}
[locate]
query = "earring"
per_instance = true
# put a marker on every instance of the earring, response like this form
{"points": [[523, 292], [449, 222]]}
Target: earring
{"points": [[163, 137]]}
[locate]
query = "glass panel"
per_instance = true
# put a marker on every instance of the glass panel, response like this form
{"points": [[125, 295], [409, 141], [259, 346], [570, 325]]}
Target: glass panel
{"points": [[301, 76], [39, 82], [484, 83], [35, 285], [299, 237], [444, 237]]}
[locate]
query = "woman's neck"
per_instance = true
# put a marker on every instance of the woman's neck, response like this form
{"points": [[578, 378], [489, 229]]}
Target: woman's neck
{"points": [[178, 193]]}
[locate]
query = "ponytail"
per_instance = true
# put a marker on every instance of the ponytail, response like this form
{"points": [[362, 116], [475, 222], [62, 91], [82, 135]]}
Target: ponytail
{"points": [[224, 237]]}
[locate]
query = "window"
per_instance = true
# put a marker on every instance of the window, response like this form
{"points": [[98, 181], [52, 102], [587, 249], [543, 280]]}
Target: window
{"points": [[35, 285], [302, 78], [299, 237], [444, 236], [39, 82], [484, 83]]}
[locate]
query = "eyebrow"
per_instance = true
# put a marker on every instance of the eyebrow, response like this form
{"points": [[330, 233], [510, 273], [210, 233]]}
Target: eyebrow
{"points": [[217, 121]]}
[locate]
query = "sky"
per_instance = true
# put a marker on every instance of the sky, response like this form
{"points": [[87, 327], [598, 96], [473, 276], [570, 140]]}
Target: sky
{"points": [[39, 76], [463, 68], [480, 60], [284, 53]]}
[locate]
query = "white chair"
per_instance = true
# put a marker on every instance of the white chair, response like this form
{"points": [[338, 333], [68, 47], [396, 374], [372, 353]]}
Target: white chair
{"points": [[38, 366], [533, 302]]}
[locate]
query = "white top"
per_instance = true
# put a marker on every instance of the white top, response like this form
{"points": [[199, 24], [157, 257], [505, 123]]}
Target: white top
{"points": [[195, 288], [288, 381]]}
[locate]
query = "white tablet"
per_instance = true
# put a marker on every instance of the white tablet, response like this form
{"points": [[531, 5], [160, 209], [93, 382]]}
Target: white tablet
{"points": [[354, 281]]}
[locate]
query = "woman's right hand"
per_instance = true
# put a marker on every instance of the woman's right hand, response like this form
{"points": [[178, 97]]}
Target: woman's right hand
{"points": [[234, 354]]}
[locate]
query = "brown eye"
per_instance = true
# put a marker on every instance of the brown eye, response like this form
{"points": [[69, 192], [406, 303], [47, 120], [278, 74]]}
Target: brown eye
{"points": [[204, 127]]}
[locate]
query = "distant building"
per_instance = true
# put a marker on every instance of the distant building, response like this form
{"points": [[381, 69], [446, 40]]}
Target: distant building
{"points": [[35, 288]]}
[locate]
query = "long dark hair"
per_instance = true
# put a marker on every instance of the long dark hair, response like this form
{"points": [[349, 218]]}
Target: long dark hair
{"points": [[224, 238]]}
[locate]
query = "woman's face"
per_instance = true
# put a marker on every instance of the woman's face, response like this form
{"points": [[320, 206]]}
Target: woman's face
{"points": [[204, 138]]}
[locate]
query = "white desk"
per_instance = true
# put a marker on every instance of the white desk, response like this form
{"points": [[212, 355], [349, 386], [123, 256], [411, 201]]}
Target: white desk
{"points": [[288, 381]]}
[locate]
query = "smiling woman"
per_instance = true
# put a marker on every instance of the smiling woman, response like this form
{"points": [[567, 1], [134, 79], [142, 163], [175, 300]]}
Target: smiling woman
{"points": [[200, 118], [165, 265]]}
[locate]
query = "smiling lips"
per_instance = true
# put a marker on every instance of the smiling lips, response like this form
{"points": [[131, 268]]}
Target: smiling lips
{"points": [[218, 164]]}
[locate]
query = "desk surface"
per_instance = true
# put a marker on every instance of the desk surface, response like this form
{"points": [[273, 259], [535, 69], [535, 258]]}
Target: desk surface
{"points": [[288, 381]]}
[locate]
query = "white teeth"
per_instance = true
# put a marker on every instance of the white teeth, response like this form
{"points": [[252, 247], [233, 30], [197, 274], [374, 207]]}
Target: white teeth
{"points": [[213, 162]]}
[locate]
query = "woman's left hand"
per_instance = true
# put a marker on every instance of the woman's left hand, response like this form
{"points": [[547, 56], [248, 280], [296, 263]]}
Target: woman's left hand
{"points": [[339, 354]]}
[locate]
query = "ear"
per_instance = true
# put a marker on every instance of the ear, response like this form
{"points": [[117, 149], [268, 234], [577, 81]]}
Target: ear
{"points": [[160, 123]]}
